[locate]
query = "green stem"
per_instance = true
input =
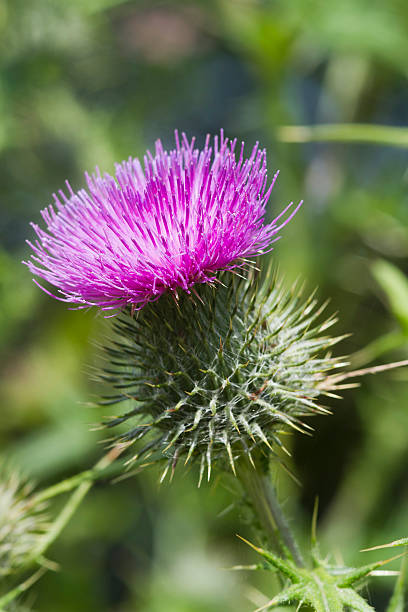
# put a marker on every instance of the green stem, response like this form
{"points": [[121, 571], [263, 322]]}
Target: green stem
{"points": [[346, 132], [24, 586], [263, 497], [397, 602], [378, 347], [83, 482], [69, 483]]}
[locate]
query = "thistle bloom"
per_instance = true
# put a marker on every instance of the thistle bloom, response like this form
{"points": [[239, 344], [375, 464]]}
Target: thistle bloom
{"points": [[213, 379], [175, 222]]}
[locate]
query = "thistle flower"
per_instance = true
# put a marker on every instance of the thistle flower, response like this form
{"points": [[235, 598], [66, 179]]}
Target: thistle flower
{"points": [[22, 521], [147, 231], [215, 378], [211, 373]]}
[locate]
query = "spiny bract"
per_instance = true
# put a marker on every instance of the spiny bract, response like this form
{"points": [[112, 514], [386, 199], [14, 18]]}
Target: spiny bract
{"points": [[22, 521], [213, 377]]}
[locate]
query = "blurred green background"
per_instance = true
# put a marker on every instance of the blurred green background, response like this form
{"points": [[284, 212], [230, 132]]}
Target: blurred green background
{"points": [[86, 82]]}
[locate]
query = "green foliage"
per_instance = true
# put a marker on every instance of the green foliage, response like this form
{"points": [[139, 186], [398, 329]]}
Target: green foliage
{"points": [[325, 588], [376, 134], [398, 599], [90, 82], [395, 285], [401, 542]]}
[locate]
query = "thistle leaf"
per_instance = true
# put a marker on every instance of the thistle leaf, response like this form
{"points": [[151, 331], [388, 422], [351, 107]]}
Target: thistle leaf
{"points": [[395, 285], [325, 588], [354, 601], [355, 575], [287, 596], [401, 542], [397, 603], [288, 569]]}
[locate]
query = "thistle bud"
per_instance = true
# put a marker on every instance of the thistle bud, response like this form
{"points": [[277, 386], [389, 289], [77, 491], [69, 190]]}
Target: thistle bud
{"points": [[22, 521], [211, 378]]}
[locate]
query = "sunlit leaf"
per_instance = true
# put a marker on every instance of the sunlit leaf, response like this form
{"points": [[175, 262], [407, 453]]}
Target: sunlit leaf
{"points": [[395, 285]]}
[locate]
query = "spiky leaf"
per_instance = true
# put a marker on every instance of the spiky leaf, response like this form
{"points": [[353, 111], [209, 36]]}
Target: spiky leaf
{"points": [[324, 588], [397, 603]]}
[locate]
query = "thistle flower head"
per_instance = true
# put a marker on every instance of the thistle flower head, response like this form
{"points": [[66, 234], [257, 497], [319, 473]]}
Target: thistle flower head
{"points": [[212, 372], [22, 521], [215, 378], [176, 221]]}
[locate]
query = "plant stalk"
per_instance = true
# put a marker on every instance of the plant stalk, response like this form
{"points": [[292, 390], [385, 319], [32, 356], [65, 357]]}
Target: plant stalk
{"points": [[262, 495], [83, 482], [21, 588], [346, 132]]}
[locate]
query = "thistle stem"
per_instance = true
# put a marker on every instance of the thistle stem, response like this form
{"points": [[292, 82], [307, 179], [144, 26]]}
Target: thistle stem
{"points": [[392, 136], [85, 483], [264, 500], [82, 483], [21, 588], [71, 483]]}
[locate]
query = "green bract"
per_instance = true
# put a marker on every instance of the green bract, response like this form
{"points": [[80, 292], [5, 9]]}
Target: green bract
{"points": [[213, 374]]}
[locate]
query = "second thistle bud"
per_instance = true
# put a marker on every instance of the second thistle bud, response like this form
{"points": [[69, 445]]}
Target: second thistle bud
{"points": [[211, 378], [22, 521]]}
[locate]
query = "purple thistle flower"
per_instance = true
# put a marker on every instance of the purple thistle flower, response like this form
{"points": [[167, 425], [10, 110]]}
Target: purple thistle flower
{"points": [[130, 238]]}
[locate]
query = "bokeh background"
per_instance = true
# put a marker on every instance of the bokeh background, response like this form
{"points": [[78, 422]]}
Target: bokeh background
{"points": [[86, 82]]}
